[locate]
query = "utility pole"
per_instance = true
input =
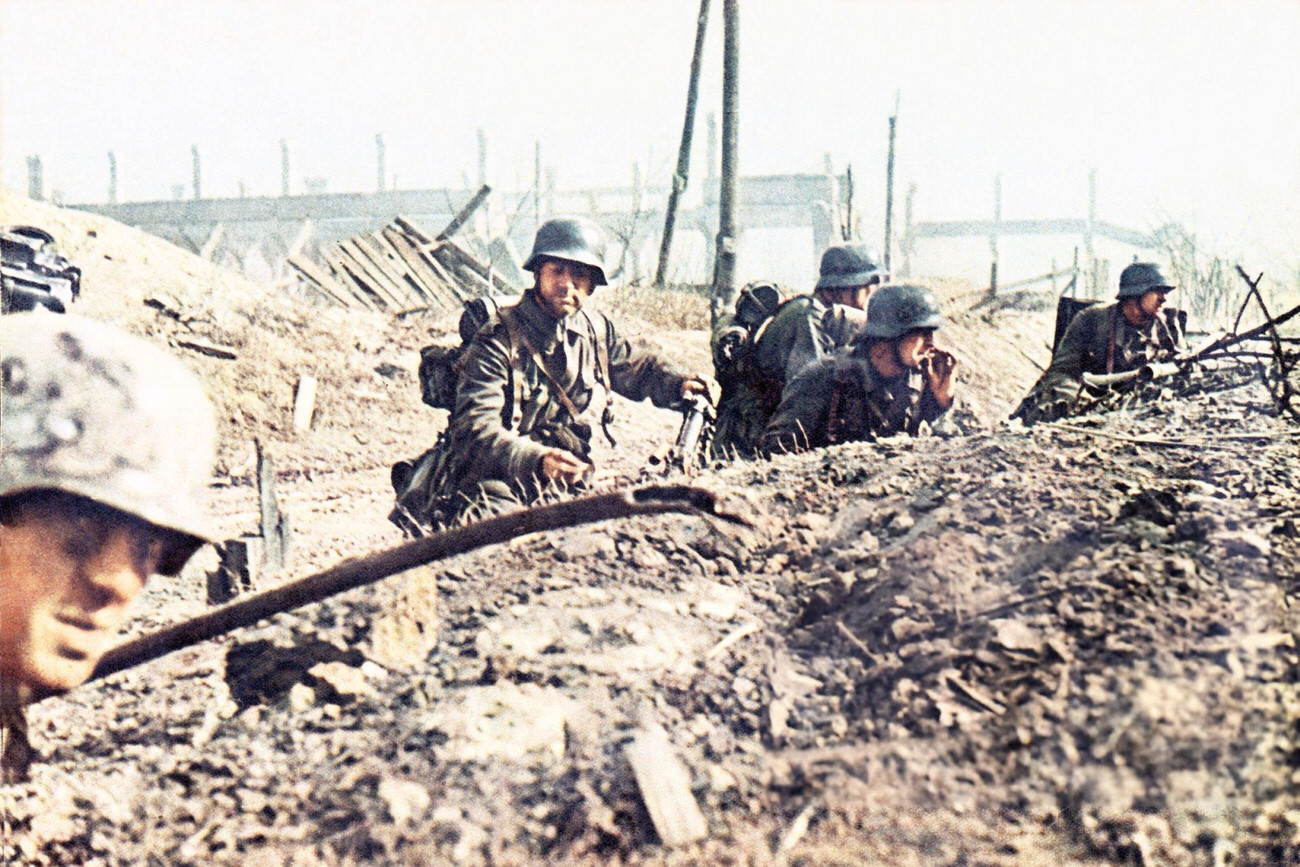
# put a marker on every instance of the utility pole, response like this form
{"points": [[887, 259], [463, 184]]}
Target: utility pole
{"points": [[537, 184], [284, 167], [112, 178], [889, 184], [197, 172], [724, 269], [684, 151], [993, 237], [35, 179], [381, 174]]}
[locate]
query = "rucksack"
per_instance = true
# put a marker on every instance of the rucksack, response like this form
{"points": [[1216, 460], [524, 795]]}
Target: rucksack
{"points": [[733, 347], [440, 365]]}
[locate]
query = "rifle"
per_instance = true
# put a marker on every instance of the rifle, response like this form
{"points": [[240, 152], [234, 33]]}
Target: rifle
{"points": [[1215, 345], [693, 437]]}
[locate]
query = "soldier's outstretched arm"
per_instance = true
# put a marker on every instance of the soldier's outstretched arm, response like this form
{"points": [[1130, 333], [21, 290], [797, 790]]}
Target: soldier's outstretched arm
{"points": [[637, 373]]}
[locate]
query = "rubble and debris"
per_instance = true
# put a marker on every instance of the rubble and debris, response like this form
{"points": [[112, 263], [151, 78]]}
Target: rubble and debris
{"points": [[401, 268], [1049, 646]]}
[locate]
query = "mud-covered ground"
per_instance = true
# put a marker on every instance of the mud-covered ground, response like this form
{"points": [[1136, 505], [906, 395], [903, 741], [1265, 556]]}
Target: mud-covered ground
{"points": [[1074, 644]]}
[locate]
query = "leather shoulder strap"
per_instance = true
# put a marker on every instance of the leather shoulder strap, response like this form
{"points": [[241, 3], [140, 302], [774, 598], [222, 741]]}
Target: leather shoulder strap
{"points": [[521, 340]]}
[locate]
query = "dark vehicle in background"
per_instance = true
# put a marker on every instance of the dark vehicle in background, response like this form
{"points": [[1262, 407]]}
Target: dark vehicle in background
{"points": [[33, 274]]}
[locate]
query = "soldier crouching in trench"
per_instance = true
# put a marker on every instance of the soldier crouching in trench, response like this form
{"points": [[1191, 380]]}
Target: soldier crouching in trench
{"points": [[536, 382], [105, 450], [1135, 330], [888, 381]]}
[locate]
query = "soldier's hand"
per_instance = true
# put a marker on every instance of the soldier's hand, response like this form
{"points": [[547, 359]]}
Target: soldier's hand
{"points": [[940, 369], [561, 466], [704, 386]]}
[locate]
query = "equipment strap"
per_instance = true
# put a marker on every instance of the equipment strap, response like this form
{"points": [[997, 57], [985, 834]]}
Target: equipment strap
{"points": [[560, 394]]}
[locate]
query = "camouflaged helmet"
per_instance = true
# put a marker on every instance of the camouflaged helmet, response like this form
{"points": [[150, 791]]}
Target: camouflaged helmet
{"points": [[93, 411], [574, 238], [847, 266], [895, 310], [1140, 278]]}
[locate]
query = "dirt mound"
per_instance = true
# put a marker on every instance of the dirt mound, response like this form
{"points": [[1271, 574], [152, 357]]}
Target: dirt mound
{"points": [[1057, 646]]}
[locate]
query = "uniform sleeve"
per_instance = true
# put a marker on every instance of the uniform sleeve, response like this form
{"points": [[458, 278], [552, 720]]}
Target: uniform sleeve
{"points": [[482, 441], [1070, 359], [637, 373], [801, 418]]}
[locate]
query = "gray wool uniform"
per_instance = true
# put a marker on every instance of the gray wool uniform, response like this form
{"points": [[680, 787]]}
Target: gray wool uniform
{"points": [[802, 331], [507, 412], [844, 399], [1101, 340]]}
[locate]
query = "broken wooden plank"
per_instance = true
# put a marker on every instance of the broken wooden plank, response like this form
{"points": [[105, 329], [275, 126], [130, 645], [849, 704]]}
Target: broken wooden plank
{"points": [[419, 235], [363, 284], [365, 297], [304, 402], [216, 350], [414, 277], [465, 213], [451, 277], [393, 268], [238, 570], [274, 521], [438, 290], [391, 295], [327, 284], [665, 786], [974, 695], [478, 266]]}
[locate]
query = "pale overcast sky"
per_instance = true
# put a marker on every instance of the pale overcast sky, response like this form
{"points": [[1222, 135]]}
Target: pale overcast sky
{"points": [[1188, 110]]}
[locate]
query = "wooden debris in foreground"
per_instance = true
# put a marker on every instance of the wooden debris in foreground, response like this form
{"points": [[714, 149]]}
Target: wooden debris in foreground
{"points": [[665, 786]]}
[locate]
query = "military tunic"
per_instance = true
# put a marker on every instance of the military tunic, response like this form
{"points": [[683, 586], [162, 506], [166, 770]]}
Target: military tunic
{"points": [[1087, 348], [845, 399], [507, 414], [802, 331]]}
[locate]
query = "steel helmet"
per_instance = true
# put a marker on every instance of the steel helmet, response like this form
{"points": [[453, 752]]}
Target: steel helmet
{"points": [[846, 266], [574, 238], [1140, 278], [93, 411], [897, 309]]}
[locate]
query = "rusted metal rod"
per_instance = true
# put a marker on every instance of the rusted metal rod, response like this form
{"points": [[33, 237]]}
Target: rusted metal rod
{"points": [[358, 572]]}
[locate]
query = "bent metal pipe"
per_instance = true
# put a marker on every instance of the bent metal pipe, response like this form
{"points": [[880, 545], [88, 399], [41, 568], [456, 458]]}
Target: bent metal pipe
{"points": [[358, 572]]}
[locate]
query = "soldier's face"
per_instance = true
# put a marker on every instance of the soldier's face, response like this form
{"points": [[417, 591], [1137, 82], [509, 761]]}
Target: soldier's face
{"points": [[1152, 302], [914, 347], [563, 286], [67, 579]]}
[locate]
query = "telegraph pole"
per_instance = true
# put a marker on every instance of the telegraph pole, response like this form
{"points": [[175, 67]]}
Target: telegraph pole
{"points": [[889, 184], [724, 273], [684, 151]]}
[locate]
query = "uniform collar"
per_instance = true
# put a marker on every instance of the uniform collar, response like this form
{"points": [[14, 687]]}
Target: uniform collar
{"points": [[543, 329]]}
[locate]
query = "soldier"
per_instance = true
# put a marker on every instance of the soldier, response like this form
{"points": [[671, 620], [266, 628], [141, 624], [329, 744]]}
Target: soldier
{"points": [[1135, 330], [536, 382], [888, 381], [801, 331], [107, 445]]}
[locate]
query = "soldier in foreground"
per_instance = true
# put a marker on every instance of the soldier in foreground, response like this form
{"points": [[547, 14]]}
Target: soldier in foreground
{"points": [[105, 451], [888, 381], [1135, 330], [799, 332], [536, 381]]}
